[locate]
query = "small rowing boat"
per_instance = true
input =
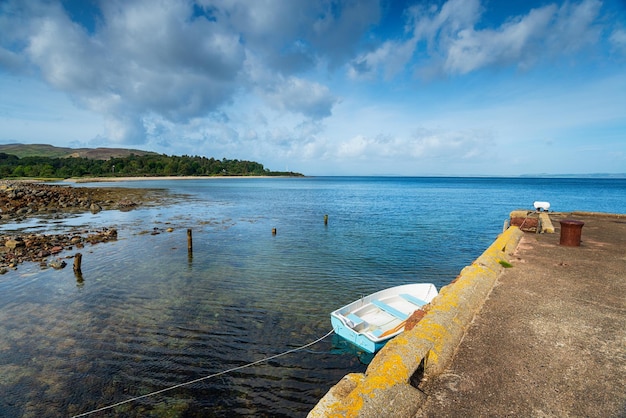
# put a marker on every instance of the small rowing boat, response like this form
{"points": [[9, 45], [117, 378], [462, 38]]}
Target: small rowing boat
{"points": [[371, 321]]}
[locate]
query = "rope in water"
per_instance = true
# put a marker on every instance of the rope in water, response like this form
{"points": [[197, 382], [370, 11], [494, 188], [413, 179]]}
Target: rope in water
{"points": [[293, 350]]}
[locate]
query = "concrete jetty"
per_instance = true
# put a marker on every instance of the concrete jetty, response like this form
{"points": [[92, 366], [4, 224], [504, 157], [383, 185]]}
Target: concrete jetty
{"points": [[545, 337]]}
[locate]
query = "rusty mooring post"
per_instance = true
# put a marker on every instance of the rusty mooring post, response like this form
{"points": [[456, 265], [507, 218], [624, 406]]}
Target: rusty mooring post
{"points": [[189, 241], [570, 232]]}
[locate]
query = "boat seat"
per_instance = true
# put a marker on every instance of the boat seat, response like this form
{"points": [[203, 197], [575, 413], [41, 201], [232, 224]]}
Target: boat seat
{"points": [[354, 320], [390, 309], [376, 333], [413, 300]]}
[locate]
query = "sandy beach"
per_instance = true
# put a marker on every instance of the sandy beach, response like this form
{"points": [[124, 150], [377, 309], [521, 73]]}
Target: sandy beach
{"points": [[152, 178]]}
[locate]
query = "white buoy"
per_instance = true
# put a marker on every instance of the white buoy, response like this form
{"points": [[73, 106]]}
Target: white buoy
{"points": [[542, 205]]}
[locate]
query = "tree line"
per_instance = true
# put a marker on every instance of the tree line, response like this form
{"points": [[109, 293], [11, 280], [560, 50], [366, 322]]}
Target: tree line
{"points": [[131, 166]]}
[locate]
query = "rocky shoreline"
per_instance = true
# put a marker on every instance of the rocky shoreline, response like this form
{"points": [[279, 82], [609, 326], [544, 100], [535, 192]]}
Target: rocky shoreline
{"points": [[39, 247], [20, 200]]}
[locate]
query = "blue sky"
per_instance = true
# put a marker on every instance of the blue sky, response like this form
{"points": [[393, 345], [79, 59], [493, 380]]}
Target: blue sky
{"points": [[325, 87]]}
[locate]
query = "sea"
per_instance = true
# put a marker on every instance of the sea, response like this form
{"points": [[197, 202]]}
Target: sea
{"points": [[155, 328]]}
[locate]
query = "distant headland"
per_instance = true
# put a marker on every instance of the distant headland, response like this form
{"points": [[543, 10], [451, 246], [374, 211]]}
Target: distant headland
{"points": [[44, 161]]}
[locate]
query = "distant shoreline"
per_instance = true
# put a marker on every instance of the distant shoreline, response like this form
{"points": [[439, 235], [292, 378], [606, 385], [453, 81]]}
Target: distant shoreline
{"points": [[151, 178]]}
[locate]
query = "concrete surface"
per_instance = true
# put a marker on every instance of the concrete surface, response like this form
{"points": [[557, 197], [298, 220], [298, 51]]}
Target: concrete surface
{"points": [[550, 340]]}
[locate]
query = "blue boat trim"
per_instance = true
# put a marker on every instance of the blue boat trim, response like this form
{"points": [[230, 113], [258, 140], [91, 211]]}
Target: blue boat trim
{"points": [[389, 309], [356, 321], [377, 333], [416, 301]]}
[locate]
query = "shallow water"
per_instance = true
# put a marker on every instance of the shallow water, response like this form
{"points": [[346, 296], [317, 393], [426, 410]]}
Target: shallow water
{"points": [[148, 316]]}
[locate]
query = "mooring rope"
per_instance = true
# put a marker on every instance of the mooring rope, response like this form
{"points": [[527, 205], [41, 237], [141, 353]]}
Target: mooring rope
{"points": [[293, 350]]}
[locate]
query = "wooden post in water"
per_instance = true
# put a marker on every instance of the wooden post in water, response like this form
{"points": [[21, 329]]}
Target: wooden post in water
{"points": [[189, 241], [273, 231], [325, 219], [78, 259]]}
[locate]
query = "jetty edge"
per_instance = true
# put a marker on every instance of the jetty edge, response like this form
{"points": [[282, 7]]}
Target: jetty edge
{"points": [[386, 388], [550, 338]]}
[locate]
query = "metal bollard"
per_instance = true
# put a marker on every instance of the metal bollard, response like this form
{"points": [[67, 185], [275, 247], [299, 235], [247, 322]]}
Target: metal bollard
{"points": [[570, 232]]}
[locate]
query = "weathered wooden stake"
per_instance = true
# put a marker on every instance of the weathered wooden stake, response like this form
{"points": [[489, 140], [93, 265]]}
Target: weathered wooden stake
{"points": [[273, 231], [325, 219], [78, 258], [189, 241]]}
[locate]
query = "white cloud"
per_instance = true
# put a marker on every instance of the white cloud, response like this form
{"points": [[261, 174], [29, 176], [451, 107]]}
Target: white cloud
{"points": [[449, 39], [183, 60], [295, 35], [514, 42], [618, 41], [298, 95], [143, 59], [391, 56], [420, 144], [429, 22]]}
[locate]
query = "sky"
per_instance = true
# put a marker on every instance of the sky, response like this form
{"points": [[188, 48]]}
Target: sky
{"points": [[325, 87]]}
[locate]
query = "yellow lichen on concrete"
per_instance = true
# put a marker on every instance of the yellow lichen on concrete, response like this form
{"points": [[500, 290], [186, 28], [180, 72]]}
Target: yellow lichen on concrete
{"points": [[336, 395], [519, 213], [388, 372], [347, 407], [434, 332], [392, 374], [434, 338], [546, 223]]}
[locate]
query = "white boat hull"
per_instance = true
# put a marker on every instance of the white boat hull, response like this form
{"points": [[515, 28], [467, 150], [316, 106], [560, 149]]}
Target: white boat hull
{"points": [[373, 320]]}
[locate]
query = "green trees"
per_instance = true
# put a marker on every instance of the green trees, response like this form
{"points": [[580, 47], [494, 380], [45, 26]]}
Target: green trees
{"points": [[131, 166]]}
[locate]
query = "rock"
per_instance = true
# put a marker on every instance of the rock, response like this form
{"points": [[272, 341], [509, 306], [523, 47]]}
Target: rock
{"points": [[13, 243], [95, 208], [57, 264], [20, 199]]}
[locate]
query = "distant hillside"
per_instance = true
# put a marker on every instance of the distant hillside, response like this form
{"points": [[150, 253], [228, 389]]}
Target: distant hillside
{"points": [[50, 151], [47, 161], [579, 176]]}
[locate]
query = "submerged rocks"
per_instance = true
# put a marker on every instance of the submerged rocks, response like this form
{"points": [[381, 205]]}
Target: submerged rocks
{"points": [[23, 199], [37, 247], [57, 264], [13, 243], [126, 204], [95, 208]]}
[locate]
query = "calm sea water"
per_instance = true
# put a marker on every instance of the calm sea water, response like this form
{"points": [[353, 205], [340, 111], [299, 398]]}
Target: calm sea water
{"points": [[149, 315]]}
